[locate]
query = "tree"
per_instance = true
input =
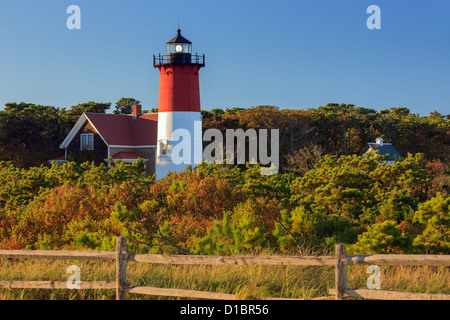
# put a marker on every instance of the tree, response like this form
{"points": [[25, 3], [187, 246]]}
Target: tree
{"points": [[29, 134], [213, 113], [71, 116], [337, 121], [435, 215], [337, 186], [297, 131], [383, 238], [238, 232], [313, 227], [304, 159], [439, 177], [125, 105]]}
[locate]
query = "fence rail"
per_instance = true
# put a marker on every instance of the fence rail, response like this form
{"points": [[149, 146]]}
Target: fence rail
{"points": [[340, 260], [58, 254], [399, 260], [390, 295], [55, 284], [235, 260]]}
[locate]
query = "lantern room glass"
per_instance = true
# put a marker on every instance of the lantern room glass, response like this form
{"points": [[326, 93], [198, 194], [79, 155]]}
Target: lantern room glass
{"points": [[179, 48]]}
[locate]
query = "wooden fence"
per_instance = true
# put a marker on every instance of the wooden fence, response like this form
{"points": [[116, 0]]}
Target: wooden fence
{"points": [[340, 260]]}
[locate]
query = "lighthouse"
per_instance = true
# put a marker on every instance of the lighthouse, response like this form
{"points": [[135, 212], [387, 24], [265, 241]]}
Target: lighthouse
{"points": [[179, 135]]}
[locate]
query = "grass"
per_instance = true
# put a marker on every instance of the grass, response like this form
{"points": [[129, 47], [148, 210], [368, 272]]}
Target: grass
{"points": [[247, 282], [425, 279]]}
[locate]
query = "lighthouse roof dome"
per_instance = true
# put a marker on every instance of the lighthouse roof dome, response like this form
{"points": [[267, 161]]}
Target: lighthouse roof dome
{"points": [[179, 38]]}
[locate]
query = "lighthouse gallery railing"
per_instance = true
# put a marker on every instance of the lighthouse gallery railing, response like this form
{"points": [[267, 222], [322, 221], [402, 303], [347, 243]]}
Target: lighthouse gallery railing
{"points": [[181, 59]]}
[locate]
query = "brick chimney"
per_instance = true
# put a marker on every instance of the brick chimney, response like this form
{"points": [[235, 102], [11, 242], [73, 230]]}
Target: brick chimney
{"points": [[137, 110]]}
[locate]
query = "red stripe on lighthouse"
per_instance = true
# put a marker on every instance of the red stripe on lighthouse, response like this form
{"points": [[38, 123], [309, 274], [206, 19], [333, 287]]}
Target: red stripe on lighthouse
{"points": [[179, 88]]}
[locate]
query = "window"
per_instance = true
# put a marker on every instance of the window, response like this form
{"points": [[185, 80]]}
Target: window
{"points": [[163, 147], [87, 141], [179, 48], [187, 48]]}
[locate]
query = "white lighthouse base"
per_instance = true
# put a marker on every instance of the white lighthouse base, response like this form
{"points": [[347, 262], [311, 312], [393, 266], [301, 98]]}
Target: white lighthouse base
{"points": [[180, 142]]}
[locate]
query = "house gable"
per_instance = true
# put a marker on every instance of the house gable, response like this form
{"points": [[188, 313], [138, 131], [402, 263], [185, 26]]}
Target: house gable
{"points": [[100, 148], [81, 120]]}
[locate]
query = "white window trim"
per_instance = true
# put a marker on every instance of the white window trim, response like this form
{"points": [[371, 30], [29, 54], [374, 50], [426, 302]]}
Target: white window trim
{"points": [[88, 138]]}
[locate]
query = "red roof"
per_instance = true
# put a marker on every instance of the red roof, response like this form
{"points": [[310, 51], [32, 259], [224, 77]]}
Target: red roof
{"points": [[125, 130], [126, 156]]}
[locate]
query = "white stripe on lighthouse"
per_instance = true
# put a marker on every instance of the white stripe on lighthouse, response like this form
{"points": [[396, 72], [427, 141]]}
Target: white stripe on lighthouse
{"points": [[182, 123]]}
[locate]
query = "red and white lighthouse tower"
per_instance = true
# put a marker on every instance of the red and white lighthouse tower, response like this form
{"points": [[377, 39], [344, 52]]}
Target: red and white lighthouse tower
{"points": [[179, 106]]}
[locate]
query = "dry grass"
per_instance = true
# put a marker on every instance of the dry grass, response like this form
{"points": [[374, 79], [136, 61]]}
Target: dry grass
{"points": [[247, 282], [424, 279], [54, 270]]}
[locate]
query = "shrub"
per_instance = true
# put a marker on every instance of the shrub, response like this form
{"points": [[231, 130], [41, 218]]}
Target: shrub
{"points": [[313, 228], [435, 215], [237, 233], [384, 237]]}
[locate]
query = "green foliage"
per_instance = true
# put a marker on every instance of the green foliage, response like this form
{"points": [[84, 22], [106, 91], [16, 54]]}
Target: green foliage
{"points": [[313, 228], [81, 156], [250, 182], [213, 114], [72, 115], [403, 207], [125, 105], [435, 215], [30, 134], [237, 233], [362, 190], [51, 207], [384, 238], [398, 205], [222, 209]]}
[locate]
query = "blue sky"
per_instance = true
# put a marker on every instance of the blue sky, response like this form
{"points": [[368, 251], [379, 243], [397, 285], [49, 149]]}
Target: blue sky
{"points": [[294, 54]]}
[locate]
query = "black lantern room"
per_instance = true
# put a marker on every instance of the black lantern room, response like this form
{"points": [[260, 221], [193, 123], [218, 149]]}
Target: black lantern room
{"points": [[179, 51], [179, 44]]}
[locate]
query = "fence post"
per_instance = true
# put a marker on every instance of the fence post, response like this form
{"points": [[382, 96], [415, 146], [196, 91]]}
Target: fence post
{"points": [[121, 268], [341, 272]]}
